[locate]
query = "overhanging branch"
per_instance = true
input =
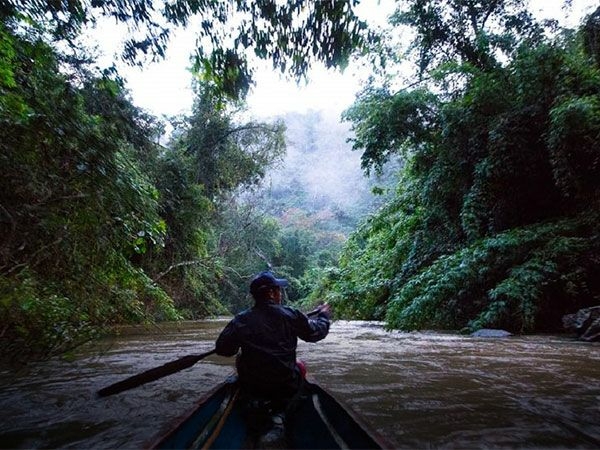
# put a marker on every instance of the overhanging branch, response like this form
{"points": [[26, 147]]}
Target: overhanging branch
{"points": [[180, 264]]}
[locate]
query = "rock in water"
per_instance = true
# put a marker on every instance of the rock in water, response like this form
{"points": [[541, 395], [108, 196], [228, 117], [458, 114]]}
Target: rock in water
{"points": [[491, 333], [585, 322]]}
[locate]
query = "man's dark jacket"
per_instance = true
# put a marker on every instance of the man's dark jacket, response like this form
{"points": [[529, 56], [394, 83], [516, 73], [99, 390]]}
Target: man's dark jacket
{"points": [[268, 335]]}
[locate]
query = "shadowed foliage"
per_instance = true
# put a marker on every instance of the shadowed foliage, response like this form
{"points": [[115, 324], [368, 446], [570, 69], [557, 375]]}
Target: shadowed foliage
{"points": [[495, 218]]}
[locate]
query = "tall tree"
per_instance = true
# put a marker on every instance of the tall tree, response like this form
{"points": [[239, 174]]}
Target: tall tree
{"points": [[213, 157], [470, 32]]}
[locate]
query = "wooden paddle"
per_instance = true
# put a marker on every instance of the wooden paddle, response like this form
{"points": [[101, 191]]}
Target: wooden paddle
{"points": [[161, 371], [153, 374]]}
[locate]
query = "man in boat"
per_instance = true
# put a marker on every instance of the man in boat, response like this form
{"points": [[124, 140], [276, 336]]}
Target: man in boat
{"points": [[267, 335]]}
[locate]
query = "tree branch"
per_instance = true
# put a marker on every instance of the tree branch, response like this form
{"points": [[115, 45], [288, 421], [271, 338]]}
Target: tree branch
{"points": [[180, 264], [34, 254], [246, 127], [13, 227], [263, 257]]}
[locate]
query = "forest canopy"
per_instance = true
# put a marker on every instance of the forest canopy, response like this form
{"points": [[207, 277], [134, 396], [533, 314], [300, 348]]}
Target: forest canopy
{"points": [[290, 34]]}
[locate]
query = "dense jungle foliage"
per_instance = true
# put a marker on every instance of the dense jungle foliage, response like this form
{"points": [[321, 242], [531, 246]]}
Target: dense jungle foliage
{"points": [[495, 222], [492, 220]]}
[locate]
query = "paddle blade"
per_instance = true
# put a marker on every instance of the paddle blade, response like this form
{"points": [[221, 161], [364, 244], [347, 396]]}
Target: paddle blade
{"points": [[153, 374]]}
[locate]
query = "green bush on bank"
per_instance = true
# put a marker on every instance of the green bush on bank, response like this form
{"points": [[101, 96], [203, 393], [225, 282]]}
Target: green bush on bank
{"points": [[495, 219], [522, 280]]}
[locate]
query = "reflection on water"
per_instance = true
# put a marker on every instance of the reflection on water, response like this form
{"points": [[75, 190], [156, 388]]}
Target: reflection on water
{"points": [[416, 389]]}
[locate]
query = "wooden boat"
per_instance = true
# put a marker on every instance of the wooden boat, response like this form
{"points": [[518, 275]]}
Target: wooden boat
{"points": [[320, 422]]}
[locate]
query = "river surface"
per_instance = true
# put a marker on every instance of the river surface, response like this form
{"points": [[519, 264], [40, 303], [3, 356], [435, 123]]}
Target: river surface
{"points": [[418, 390]]}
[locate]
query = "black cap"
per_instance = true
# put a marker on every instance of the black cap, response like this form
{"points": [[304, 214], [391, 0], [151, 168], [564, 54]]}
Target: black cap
{"points": [[266, 280]]}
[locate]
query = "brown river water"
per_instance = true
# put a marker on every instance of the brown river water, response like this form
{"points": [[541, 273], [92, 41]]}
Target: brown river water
{"points": [[418, 390]]}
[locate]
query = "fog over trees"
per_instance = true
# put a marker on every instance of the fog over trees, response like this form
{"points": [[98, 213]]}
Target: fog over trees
{"points": [[320, 171]]}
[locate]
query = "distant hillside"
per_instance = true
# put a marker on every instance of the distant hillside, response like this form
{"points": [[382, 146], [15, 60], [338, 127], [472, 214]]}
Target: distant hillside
{"points": [[320, 176]]}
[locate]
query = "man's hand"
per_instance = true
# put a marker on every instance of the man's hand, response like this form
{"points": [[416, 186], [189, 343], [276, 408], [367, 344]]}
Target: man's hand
{"points": [[325, 309]]}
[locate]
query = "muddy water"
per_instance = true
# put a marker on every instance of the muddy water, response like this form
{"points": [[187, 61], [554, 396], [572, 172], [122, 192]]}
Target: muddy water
{"points": [[418, 390]]}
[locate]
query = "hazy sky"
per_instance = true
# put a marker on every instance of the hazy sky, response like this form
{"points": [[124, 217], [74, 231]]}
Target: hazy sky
{"points": [[164, 88]]}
